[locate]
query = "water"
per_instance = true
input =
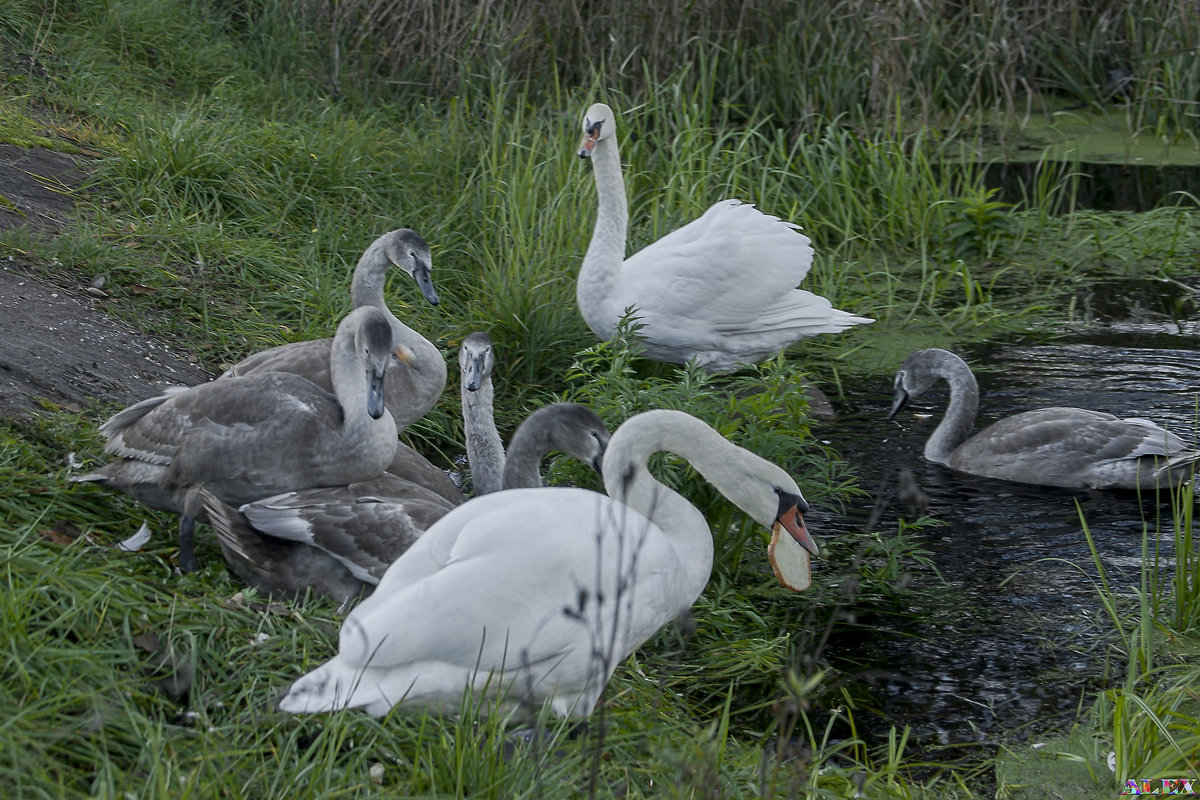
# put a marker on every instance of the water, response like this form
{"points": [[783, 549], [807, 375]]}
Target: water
{"points": [[1101, 186], [1024, 637]]}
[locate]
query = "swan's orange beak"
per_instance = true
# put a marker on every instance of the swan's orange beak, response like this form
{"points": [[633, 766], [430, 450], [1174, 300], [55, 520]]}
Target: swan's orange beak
{"points": [[789, 553], [591, 135], [589, 142], [792, 521]]}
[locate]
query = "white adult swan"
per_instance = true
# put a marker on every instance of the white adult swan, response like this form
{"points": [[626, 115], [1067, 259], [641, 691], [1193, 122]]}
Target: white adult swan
{"points": [[338, 541], [251, 437], [1069, 447], [720, 290], [540, 593], [418, 374]]}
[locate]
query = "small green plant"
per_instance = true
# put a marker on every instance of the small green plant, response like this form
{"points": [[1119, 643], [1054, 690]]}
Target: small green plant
{"points": [[981, 226]]}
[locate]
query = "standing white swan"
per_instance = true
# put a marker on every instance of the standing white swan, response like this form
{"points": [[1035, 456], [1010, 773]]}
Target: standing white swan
{"points": [[1069, 447], [538, 594], [418, 373], [247, 438], [339, 540], [720, 290]]}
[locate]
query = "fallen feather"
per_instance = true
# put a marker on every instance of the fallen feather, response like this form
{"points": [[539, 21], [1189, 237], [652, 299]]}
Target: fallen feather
{"points": [[137, 541]]}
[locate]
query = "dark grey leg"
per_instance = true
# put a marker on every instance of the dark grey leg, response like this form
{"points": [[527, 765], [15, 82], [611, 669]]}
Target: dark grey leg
{"points": [[187, 553]]}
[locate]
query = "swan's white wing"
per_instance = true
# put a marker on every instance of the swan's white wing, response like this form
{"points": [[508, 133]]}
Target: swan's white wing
{"points": [[463, 594], [729, 265]]}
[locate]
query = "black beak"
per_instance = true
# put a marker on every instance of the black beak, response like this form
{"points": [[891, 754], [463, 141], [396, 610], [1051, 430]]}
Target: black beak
{"points": [[425, 282], [899, 402], [375, 394], [474, 374]]}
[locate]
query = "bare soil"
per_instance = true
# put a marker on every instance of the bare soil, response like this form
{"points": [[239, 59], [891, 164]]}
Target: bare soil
{"points": [[56, 342]]}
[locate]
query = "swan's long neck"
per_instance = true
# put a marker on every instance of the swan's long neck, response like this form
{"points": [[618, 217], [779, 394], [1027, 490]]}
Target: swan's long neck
{"points": [[522, 465], [960, 414], [627, 479], [600, 271], [485, 451], [366, 289], [366, 285]]}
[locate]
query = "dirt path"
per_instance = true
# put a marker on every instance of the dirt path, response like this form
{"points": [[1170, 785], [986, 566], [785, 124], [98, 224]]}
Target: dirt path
{"points": [[56, 342]]}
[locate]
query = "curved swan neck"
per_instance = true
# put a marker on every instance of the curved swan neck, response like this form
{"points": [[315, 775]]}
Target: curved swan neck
{"points": [[366, 285], [959, 418], [522, 465], [598, 274], [425, 359], [627, 479], [485, 451]]}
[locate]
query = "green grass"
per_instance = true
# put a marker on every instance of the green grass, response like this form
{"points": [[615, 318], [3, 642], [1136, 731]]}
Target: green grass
{"points": [[239, 169], [122, 676]]}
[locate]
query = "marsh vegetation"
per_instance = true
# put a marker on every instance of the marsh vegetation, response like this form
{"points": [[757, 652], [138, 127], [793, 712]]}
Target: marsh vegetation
{"points": [[241, 154]]}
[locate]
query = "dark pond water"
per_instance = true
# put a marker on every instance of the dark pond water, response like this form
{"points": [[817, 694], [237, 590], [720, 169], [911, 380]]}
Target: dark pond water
{"points": [[1101, 186], [1023, 636]]}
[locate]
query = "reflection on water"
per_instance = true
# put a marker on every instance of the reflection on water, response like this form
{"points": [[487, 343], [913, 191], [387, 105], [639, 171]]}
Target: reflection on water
{"points": [[1029, 635]]}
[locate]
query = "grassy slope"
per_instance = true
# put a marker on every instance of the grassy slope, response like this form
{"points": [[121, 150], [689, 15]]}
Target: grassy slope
{"points": [[241, 196]]}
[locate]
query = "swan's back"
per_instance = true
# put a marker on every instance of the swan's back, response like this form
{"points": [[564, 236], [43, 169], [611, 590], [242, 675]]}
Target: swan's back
{"points": [[248, 437], [412, 387], [365, 525], [721, 289], [1071, 448]]}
